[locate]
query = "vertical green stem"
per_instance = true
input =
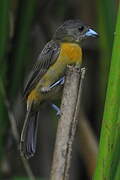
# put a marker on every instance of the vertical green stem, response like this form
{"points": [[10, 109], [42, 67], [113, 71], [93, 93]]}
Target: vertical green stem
{"points": [[4, 20], [110, 136], [26, 14], [117, 173], [106, 22], [117, 176], [4, 31]]}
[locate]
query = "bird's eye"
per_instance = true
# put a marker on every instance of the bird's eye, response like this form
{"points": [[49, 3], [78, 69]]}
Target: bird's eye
{"points": [[81, 28]]}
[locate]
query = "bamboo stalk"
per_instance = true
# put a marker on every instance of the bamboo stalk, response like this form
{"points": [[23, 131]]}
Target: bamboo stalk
{"points": [[110, 136], [70, 107]]}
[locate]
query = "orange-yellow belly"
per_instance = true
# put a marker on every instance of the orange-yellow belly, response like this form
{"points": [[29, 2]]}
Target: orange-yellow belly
{"points": [[72, 52]]}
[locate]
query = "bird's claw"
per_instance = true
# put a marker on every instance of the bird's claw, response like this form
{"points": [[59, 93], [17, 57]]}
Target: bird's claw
{"points": [[60, 82], [58, 113], [57, 109]]}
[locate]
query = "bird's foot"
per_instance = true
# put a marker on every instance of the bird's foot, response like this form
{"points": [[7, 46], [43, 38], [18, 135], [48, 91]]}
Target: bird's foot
{"points": [[60, 82], [57, 109]]}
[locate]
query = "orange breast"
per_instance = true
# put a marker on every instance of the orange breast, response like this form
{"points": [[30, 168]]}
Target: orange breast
{"points": [[72, 51]]}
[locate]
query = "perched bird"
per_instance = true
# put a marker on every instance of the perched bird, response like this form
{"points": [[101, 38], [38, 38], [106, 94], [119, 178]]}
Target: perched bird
{"points": [[47, 76]]}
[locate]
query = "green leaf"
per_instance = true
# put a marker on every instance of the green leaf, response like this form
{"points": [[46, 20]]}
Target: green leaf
{"points": [[109, 150]]}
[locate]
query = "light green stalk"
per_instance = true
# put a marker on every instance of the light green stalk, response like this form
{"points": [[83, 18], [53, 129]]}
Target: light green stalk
{"points": [[106, 22], [110, 134], [117, 175]]}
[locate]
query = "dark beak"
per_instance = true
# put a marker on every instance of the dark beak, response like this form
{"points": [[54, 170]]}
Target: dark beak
{"points": [[91, 33]]}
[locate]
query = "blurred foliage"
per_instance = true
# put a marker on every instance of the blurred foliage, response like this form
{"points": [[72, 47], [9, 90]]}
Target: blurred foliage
{"points": [[24, 178], [4, 32], [24, 19], [106, 25]]}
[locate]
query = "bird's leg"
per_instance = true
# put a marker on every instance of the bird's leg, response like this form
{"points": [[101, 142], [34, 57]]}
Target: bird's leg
{"points": [[57, 109], [60, 82]]}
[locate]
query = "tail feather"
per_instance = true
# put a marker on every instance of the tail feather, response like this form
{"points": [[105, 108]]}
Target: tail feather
{"points": [[31, 138], [29, 134]]}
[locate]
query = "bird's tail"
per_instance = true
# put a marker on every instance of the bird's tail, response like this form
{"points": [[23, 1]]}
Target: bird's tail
{"points": [[29, 134]]}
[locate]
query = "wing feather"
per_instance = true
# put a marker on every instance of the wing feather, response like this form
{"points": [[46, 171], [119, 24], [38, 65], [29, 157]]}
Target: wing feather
{"points": [[46, 58]]}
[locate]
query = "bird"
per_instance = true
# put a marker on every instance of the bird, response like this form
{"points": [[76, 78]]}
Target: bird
{"points": [[46, 78]]}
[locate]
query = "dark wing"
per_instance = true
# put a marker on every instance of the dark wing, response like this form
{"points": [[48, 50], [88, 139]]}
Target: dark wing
{"points": [[47, 57]]}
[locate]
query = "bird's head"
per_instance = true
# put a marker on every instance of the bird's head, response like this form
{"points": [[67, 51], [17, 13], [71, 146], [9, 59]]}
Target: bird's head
{"points": [[73, 31]]}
